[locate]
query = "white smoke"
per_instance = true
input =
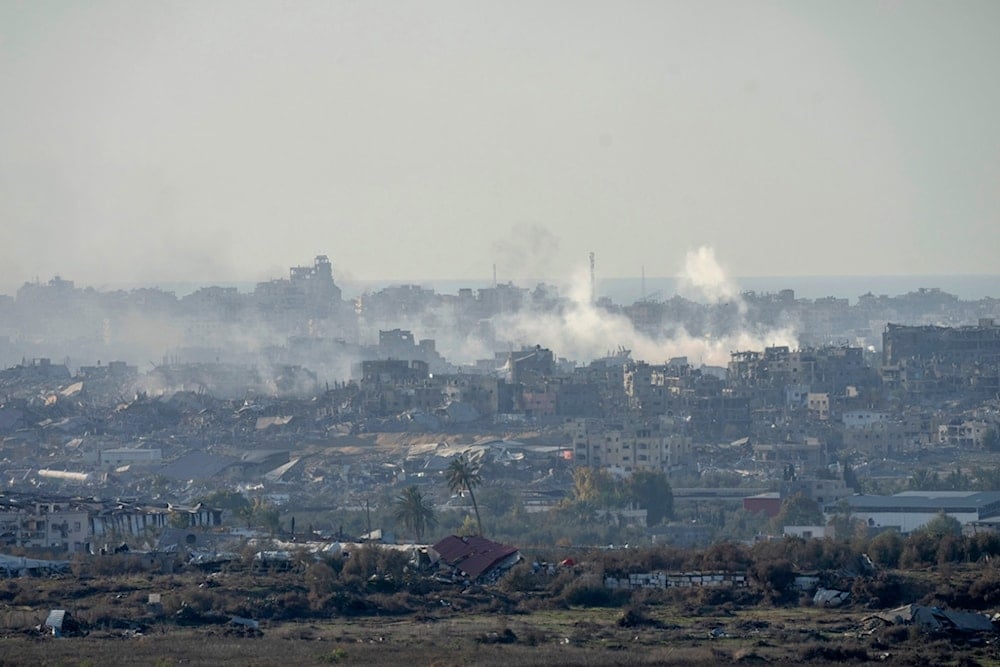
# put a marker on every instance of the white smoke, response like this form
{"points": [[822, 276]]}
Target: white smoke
{"points": [[704, 279], [583, 331]]}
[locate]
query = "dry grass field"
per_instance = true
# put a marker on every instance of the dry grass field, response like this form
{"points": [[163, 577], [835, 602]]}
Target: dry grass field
{"points": [[477, 635], [323, 613]]}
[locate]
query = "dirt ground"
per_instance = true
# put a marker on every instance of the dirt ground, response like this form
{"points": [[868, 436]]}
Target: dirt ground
{"points": [[582, 636]]}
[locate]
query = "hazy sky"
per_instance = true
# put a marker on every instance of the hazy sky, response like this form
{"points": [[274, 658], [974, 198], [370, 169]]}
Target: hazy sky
{"points": [[225, 141]]}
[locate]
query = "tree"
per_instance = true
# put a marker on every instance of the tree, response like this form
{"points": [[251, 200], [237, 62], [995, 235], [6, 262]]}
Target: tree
{"points": [[269, 517], [468, 527], [987, 479], [414, 512], [957, 481], [498, 500], [886, 548], [799, 510], [651, 491], [774, 575], [942, 524], [850, 478], [593, 485], [463, 474], [843, 524], [250, 510], [924, 480], [260, 513]]}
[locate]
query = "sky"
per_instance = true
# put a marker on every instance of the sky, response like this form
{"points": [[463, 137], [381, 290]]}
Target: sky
{"points": [[146, 142]]}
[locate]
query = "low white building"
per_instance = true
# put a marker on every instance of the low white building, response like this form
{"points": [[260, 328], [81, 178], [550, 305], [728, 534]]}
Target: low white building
{"points": [[911, 510]]}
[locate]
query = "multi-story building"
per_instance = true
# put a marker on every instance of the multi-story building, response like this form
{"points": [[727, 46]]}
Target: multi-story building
{"points": [[76, 525], [44, 524], [628, 447], [934, 360], [968, 434]]}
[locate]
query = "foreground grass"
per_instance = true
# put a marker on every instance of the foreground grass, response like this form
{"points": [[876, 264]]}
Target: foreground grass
{"points": [[442, 625], [584, 636]]}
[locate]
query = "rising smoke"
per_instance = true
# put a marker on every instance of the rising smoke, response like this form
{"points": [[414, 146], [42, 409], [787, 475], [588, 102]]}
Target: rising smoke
{"points": [[583, 331], [705, 327], [704, 279]]}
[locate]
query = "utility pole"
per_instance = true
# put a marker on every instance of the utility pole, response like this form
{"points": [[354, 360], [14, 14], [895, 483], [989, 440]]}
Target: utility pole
{"points": [[368, 516]]}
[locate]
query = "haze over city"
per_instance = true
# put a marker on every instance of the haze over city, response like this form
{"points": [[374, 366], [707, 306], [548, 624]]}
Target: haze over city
{"points": [[499, 333], [165, 142]]}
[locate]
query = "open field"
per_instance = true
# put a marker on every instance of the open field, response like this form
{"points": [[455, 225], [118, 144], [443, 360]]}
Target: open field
{"points": [[446, 626]]}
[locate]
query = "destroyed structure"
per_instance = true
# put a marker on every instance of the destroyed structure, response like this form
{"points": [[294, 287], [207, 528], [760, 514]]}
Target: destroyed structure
{"points": [[289, 389], [81, 525]]}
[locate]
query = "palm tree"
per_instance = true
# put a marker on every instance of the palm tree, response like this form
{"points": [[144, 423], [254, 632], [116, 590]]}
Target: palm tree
{"points": [[463, 474], [414, 512]]}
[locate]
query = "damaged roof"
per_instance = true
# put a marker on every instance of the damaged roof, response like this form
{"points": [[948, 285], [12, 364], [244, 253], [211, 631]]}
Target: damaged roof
{"points": [[196, 465], [472, 555], [935, 618]]}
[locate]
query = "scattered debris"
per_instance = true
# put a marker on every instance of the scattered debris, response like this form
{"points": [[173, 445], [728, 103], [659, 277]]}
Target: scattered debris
{"points": [[934, 619], [830, 597], [62, 623]]}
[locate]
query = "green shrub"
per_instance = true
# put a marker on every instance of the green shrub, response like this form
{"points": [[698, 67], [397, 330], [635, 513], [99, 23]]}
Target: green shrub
{"points": [[881, 591], [886, 548], [519, 579], [583, 594]]}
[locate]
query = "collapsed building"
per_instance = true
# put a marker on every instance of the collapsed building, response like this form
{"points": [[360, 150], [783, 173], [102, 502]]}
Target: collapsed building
{"points": [[474, 558], [935, 360], [79, 525]]}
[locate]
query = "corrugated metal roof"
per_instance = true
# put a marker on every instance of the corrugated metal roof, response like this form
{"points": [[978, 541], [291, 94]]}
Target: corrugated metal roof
{"points": [[55, 619], [986, 503], [196, 465], [472, 555], [279, 472]]}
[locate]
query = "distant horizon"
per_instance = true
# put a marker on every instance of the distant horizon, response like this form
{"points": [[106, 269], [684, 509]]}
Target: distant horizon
{"points": [[966, 286], [145, 142]]}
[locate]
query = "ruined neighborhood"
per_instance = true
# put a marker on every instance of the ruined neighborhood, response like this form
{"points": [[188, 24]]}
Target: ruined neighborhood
{"points": [[290, 424]]}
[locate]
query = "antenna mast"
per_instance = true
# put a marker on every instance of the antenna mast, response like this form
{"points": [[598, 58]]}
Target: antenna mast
{"points": [[593, 281]]}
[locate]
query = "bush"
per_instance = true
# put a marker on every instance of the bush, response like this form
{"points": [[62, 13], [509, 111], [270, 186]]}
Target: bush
{"points": [[583, 594], [919, 550], [886, 548], [322, 581], [985, 590], [774, 576], [635, 616], [726, 556], [983, 545], [520, 579], [897, 634], [880, 591], [821, 652]]}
